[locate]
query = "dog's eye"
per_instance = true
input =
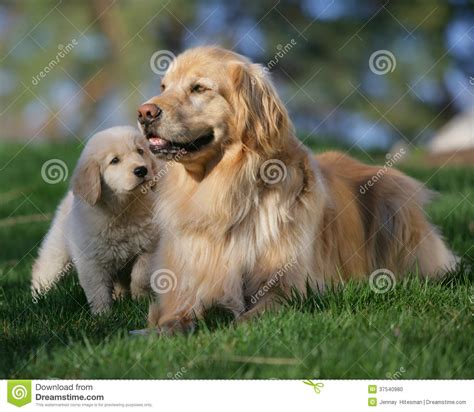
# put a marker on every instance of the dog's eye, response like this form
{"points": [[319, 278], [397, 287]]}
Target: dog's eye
{"points": [[198, 88], [140, 151], [114, 161], [163, 87]]}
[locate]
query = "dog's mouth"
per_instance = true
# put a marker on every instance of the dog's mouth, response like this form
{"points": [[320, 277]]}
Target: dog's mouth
{"points": [[159, 145]]}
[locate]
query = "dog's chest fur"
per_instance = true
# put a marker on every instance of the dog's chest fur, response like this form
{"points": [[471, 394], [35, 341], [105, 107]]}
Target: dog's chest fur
{"points": [[114, 239], [123, 240], [226, 240]]}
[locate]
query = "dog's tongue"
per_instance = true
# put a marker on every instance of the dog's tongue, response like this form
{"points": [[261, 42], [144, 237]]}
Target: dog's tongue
{"points": [[158, 141]]}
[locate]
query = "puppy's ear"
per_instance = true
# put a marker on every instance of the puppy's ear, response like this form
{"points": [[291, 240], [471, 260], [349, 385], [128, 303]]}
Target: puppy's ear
{"points": [[261, 118], [86, 181]]}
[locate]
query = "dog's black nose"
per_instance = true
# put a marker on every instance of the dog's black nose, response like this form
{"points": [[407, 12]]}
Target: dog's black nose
{"points": [[148, 112], [140, 171]]}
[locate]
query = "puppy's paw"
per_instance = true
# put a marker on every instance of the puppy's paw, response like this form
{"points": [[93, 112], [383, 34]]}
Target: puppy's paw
{"points": [[100, 307], [139, 290], [119, 292]]}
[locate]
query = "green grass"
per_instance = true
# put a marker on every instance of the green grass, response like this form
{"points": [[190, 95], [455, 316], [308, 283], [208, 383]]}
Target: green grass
{"points": [[418, 330]]}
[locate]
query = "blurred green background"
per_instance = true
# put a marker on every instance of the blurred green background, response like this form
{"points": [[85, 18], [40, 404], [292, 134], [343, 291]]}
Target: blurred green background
{"points": [[70, 68]]}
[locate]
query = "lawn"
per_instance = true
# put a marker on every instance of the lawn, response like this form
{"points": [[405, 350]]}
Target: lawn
{"points": [[420, 329]]}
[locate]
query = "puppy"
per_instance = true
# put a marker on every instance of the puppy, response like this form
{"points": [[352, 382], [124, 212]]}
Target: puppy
{"points": [[256, 213], [104, 224]]}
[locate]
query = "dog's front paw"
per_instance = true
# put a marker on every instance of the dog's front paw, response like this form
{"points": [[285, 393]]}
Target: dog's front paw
{"points": [[170, 324], [177, 326], [99, 307], [153, 315], [171, 327]]}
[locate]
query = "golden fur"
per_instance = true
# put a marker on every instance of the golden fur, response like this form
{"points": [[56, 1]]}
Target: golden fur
{"points": [[104, 225], [229, 232]]}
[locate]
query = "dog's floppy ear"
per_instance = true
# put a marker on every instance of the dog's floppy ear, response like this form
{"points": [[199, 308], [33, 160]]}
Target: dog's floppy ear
{"points": [[261, 118], [86, 181]]}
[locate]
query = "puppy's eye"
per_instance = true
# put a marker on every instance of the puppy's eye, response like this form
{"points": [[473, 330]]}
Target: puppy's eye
{"points": [[114, 161], [163, 87], [140, 151], [198, 88]]}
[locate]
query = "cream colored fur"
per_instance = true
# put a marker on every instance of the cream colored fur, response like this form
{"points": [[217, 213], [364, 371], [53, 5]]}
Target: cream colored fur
{"points": [[104, 225]]}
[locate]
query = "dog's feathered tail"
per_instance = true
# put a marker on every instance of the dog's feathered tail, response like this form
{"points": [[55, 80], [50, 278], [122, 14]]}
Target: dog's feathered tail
{"points": [[53, 259], [403, 236]]}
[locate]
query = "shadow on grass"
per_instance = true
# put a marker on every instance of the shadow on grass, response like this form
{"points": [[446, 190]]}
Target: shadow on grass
{"points": [[62, 317], [58, 319]]}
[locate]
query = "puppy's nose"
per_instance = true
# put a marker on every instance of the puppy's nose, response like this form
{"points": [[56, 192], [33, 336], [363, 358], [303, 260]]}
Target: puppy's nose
{"points": [[140, 171], [148, 112]]}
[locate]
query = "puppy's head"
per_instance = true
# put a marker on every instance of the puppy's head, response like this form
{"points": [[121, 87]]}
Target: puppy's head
{"points": [[212, 98], [116, 161]]}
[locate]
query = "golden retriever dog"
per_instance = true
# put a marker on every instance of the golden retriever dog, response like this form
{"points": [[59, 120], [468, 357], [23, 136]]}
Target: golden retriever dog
{"points": [[249, 212], [104, 225]]}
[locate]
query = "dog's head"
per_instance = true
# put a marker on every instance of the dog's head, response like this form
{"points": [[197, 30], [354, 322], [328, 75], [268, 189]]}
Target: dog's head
{"points": [[212, 98], [115, 161]]}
